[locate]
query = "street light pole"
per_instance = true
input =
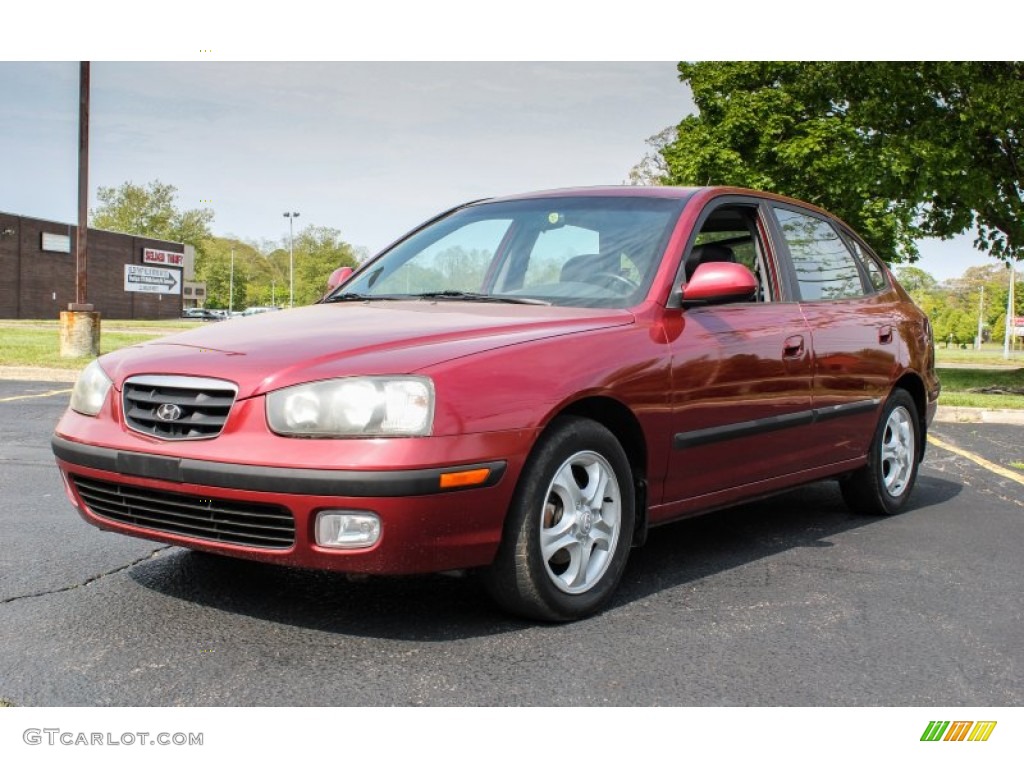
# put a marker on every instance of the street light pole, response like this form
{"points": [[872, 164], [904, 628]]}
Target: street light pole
{"points": [[231, 284], [291, 257], [981, 317], [1011, 324]]}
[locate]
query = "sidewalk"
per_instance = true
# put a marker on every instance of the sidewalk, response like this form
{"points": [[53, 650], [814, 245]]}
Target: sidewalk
{"points": [[1009, 365], [25, 373], [955, 414]]}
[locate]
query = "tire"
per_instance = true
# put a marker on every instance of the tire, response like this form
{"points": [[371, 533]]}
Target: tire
{"points": [[883, 485], [569, 527]]}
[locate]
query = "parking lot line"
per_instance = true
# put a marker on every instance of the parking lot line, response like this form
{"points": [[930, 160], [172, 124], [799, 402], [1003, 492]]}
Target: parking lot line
{"points": [[990, 466], [51, 393]]}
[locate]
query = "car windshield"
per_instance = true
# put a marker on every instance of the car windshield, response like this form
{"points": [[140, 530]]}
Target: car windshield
{"points": [[571, 251]]}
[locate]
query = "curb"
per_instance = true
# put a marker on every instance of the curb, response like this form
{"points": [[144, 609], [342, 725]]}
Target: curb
{"points": [[953, 414], [26, 373]]}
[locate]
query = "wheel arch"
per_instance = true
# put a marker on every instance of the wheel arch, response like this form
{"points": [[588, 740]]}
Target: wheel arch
{"points": [[618, 419], [912, 384]]}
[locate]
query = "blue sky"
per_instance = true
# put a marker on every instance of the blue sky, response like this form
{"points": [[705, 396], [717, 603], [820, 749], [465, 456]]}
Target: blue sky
{"points": [[369, 148]]}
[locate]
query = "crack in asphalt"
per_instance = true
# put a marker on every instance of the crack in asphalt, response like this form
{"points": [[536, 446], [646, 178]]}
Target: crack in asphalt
{"points": [[87, 582]]}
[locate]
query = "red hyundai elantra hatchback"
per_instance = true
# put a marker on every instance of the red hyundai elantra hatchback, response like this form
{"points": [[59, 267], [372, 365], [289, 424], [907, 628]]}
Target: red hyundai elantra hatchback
{"points": [[522, 386]]}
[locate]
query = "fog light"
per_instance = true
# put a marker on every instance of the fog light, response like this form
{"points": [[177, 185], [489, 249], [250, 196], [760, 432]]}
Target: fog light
{"points": [[347, 530]]}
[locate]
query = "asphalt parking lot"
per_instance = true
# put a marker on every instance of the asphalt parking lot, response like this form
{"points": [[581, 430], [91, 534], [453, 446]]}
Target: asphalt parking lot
{"points": [[790, 601]]}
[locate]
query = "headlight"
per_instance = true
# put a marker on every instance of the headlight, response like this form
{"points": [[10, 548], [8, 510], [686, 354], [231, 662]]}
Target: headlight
{"points": [[354, 407], [90, 390]]}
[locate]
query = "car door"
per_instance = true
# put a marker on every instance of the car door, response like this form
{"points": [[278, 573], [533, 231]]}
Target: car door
{"points": [[853, 331], [741, 373]]}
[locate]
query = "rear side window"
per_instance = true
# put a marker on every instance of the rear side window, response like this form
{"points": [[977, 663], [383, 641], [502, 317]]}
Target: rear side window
{"points": [[876, 275], [825, 268]]}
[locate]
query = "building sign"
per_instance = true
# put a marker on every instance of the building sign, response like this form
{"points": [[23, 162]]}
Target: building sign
{"points": [[56, 243], [169, 258], [145, 279], [1018, 326]]}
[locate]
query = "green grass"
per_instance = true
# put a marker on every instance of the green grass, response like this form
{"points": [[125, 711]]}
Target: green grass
{"points": [[989, 354], [970, 400], [964, 379], [40, 347], [36, 343], [128, 326], [960, 385], [1017, 464]]}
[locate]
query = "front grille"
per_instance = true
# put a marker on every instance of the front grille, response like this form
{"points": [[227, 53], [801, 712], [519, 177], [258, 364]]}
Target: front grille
{"points": [[234, 522], [177, 407]]}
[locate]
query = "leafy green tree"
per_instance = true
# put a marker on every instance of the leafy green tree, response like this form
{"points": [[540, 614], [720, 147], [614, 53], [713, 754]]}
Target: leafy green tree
{"points": [[150, 211], [916, 281], [318, 252], [955, 304], [900, 150], [268, 282], [213, 265], [652, 168]]}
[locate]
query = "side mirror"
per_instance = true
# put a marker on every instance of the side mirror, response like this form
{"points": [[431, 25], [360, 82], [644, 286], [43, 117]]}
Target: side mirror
{"points": [[338, 276], [718, 283]]}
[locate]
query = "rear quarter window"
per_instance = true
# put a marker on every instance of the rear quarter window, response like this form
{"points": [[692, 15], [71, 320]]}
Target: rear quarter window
{"points": [[825, 268]]}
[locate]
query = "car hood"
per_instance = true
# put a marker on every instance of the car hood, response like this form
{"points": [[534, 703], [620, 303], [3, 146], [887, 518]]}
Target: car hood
{"points": [[278, 349]]}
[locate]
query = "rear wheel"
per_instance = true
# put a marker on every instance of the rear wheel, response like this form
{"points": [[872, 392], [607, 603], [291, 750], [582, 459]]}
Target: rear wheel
{"points": [[568, 530], [883, 485]]}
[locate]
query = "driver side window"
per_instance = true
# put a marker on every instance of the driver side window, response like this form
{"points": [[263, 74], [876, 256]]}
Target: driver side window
{"points": [[730, 234]]}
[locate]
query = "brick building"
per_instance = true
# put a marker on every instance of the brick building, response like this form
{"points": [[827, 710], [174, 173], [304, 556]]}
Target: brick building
{"points": [[37, 271]]}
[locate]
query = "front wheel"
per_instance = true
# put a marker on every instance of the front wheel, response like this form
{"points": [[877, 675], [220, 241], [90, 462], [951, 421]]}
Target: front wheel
{"points": [[569, 527], [883, 485]]}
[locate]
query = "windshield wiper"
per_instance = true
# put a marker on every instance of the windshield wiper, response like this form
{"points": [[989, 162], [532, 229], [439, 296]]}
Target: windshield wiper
{"points": [[469, 296], [357, 297]]}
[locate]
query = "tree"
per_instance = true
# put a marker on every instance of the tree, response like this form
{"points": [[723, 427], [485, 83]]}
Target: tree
{"points": [[954, 305], [899, 150], [915, 281], [318, 252], [213, 266], [150, 211], [268, 270], [652, 168]]}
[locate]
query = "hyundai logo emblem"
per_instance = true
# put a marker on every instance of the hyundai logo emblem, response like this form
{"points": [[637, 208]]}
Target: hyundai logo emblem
{"points": [[168, 412]]}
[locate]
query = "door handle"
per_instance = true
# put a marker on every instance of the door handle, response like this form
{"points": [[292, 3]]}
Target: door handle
{"points": [[885, 334], [793, 346]]}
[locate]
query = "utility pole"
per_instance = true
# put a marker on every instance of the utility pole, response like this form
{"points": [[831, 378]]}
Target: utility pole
{"points": [[291, 257], [1011, 309], [231, 283], [80, 325], [981, 313], [82, 236]]}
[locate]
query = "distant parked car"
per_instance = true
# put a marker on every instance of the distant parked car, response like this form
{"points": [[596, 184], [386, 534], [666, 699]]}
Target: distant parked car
{"points": [[523, 386], [195, 313], [258, 311]]}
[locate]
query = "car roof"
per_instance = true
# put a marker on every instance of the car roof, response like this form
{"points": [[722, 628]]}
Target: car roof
{"points": [[678, 193], [661, 192]]}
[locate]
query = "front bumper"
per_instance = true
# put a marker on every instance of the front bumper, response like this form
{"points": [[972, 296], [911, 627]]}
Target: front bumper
{"points": [[185, 502]]}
